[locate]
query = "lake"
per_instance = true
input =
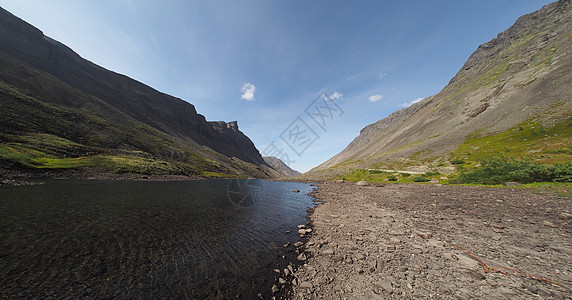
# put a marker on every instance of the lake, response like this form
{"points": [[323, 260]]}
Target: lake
{"points": [[138, 239]]}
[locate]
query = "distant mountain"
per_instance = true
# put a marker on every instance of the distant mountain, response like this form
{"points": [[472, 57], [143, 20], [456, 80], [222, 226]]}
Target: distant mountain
{"points": [[58, 110], [513, 97], [280, 166]]}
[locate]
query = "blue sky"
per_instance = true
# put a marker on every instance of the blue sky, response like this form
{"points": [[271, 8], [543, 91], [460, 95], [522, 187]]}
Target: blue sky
{"points": [[264, 62]]}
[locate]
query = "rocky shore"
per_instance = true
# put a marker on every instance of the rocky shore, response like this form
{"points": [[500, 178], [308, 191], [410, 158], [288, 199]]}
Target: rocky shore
{"points": [[422, 241]]}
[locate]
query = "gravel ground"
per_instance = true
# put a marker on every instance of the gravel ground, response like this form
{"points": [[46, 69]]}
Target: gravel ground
{"points": [[422, 241]]}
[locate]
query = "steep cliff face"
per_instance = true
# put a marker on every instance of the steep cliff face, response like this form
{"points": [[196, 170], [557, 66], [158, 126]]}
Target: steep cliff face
{"points": [[524, 74], [48, 88]]}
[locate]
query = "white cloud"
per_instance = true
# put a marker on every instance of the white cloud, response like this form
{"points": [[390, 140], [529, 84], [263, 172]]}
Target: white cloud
{"points": [[407, 104], [375, 98], [248, 90], [336, 95]]}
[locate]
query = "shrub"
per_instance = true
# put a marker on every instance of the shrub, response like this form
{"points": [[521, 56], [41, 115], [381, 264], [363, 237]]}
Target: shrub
{"points": [[499, 171], [420, 179], [405, 174], [392, 178], [457, 162]]}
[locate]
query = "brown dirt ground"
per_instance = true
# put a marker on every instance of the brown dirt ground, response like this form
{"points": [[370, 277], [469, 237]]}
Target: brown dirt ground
{"points": [[412, 241]]}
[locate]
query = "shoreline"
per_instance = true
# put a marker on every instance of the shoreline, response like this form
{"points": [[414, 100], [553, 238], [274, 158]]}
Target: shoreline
{"points": [[422, 241]]}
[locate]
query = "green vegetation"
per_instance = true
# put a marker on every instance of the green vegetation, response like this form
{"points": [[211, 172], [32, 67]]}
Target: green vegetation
{"points": [[527, 141], [420, 179], [382, 176], [45, 151], [498, 171]]}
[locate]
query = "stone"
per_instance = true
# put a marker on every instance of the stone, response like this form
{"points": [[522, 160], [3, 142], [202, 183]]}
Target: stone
{"points": [[286, 272], [298, 244], [328, 251], [425, 234], [359, 256], [565, 216], [286, 245], [362, 183], [275, 289], [384, 285], [512, 183], [282, 281], [434, 180], [339, 181], [394, 240], [296, 191], [372, 265], [306, 285], [302, 257], [370, 295], [301, 231], [301, 226], [548, 224]]}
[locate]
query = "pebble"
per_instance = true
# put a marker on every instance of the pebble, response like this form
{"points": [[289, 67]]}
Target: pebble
{"points": [[362, 183], [305, 285], [548, 224], [425, 234], [328, 251], [275, 289], [298, 244], [565, 216], [302, 257], [385, 285]]}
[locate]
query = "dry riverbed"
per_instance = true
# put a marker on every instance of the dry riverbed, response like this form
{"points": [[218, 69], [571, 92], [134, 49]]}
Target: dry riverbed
{"points": [[436, 241]]}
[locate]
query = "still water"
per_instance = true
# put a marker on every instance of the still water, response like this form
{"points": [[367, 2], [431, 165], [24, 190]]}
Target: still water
{"points": [[185, 239]]}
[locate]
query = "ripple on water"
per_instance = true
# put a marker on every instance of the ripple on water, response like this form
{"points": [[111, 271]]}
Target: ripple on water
{"points": [[70, 239]]}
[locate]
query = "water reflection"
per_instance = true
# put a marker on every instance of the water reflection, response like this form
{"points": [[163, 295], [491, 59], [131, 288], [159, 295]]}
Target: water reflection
{"points": [[145, 239]]}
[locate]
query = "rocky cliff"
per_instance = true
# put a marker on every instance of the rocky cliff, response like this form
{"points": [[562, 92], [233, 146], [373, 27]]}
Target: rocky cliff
{"points": [[521, 77], [47, 88]]}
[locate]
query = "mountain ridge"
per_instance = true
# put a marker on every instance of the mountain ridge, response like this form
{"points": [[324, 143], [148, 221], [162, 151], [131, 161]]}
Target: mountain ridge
{"points": [[522, 74], [47, 88], [281, 167]]}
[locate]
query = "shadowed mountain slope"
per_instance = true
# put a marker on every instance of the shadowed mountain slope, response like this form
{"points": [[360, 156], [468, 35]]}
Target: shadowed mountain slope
{"points": [[282, 168], [56, 105]]}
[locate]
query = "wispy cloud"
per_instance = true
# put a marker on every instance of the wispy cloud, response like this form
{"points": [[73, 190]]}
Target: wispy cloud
{"points": [[375, 98], [407, 104], [336, 96], [248, 90]]}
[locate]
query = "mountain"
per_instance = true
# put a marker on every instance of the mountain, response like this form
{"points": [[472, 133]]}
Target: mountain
{"points": [[280, 166], [511, 97], [58, 110]]}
